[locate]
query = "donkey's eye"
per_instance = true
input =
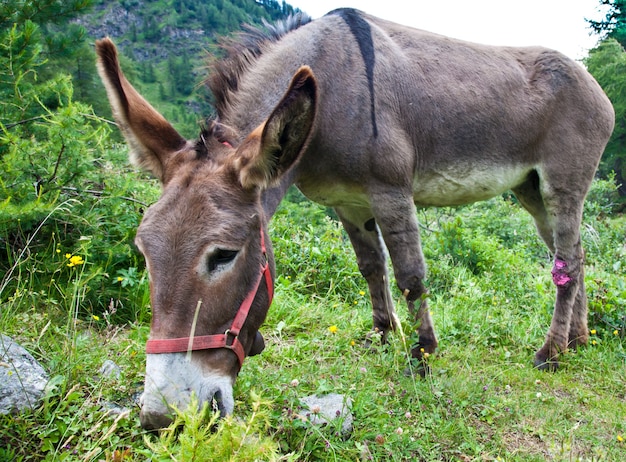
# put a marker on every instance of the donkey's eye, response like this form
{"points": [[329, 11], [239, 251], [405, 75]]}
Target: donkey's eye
{"points": [[220, 258]]}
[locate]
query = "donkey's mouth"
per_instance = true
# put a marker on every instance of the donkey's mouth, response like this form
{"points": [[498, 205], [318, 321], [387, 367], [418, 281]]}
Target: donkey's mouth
{"points": [[160, 417], [171, 380], [153, 421]]}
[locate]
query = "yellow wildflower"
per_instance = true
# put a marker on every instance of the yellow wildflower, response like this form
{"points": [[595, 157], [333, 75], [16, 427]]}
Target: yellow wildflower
{"points": [[620, 439], [593, 332], [120, 279], [95, 318], [333, 329], [361, 292], [615, 332], [75, 260], [68, 255]]}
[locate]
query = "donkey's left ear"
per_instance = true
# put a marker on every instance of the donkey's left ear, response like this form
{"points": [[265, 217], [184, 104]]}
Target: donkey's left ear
{"points": [[271, 149]]}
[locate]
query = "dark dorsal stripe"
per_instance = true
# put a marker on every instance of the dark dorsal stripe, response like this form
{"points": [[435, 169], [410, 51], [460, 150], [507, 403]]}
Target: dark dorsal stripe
{"points": [[362, 32]]}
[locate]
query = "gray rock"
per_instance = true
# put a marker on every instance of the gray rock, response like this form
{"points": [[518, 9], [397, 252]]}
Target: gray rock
{"points": [[323, 410], [110, 370], [22, 379]]}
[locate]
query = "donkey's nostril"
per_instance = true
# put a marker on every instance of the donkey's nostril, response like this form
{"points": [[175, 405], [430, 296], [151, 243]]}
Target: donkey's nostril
{"points": [[152, 421], [219, 403]]}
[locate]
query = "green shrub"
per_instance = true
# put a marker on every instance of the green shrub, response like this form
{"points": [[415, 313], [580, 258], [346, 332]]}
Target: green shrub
{"points": [[607, 298], [603, 197], [200, 435], [65, 191]]}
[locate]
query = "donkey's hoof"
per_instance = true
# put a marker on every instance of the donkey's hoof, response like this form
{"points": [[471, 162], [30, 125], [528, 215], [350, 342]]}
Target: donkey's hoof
{"points": [[576, 342], [375, 339], [545, 364], [417, 368]]}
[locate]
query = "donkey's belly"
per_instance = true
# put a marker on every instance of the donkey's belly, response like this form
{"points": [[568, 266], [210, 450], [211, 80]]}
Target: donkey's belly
{"points": [[334, 194], [464, 186], [443, 187]]}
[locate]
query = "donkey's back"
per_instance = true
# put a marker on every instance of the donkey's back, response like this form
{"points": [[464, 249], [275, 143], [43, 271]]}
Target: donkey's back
{"points": [[458, 121]]}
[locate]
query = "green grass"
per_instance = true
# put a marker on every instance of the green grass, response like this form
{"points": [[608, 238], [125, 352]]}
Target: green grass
{"points": [[491, 300]]}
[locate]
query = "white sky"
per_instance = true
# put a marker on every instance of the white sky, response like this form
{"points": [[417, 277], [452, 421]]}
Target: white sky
{"points": [[558, 24]]}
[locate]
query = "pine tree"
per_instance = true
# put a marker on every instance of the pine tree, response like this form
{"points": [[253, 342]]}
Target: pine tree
{"points": [[607, 63], [614, 23]]}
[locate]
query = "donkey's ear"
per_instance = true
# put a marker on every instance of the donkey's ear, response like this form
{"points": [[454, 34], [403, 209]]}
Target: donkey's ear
{"points": [[271, 149], [151, 138]]}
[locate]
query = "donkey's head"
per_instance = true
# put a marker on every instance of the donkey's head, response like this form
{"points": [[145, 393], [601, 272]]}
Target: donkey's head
{"points": [[205, 241]]}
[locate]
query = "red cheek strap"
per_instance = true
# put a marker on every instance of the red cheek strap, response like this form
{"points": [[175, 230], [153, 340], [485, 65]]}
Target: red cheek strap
{"points": [[230, 338]]}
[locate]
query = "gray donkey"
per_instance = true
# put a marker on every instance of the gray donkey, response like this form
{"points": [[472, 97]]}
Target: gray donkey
{"points": [[370, 118]]}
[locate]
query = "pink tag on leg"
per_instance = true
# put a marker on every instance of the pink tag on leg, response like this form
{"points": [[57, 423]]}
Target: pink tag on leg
{"points": [[559, 276]]}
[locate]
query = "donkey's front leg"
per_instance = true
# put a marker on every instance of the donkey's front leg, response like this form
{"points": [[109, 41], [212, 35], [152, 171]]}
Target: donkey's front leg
{"points": [[365, 238], [396, 217]]}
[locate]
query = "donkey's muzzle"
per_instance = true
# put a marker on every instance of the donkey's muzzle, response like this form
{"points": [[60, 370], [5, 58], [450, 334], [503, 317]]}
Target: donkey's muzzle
{"points": [[153, 421]]}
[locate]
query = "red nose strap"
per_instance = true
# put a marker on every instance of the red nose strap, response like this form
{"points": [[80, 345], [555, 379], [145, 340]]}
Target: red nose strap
{"points": [[230, 338]]}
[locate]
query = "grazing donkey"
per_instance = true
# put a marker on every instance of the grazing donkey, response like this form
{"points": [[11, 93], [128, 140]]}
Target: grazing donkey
{"points": [[368, 117]]}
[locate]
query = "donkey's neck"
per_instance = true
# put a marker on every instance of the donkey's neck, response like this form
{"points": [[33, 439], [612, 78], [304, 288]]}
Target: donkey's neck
{"points": [[271, 197]]}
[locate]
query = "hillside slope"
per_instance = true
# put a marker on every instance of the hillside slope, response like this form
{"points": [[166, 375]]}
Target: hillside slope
{"points": [[164, 42]]}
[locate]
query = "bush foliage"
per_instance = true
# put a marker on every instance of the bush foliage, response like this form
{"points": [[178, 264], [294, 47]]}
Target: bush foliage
{"points": [[60, 179]]}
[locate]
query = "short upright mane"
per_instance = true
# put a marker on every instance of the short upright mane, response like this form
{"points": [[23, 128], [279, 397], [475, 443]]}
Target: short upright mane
{"points": [[241, 51]]}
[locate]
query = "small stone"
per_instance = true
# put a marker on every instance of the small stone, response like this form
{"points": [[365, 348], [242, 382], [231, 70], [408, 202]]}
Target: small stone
{"points": [[328, 408], [114, 408], [110, 370]]}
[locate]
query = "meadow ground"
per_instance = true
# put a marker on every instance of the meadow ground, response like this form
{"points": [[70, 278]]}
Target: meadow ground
{"points": [[491, 298]]}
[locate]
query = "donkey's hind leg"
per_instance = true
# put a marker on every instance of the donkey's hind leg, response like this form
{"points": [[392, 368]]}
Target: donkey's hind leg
{"points": [[578, 330], [365, 238], [558, 223]]}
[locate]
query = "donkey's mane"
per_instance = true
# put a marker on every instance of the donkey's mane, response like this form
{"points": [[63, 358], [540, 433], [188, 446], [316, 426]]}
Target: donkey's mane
{"points": [[239, 53]]}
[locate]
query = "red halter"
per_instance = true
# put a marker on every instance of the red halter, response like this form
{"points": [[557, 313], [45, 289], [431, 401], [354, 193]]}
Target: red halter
{"points": [[230, 338]]}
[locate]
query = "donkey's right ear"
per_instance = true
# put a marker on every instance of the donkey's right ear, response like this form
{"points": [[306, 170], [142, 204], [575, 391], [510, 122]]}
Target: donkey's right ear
{"points": [[151, 138]]}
